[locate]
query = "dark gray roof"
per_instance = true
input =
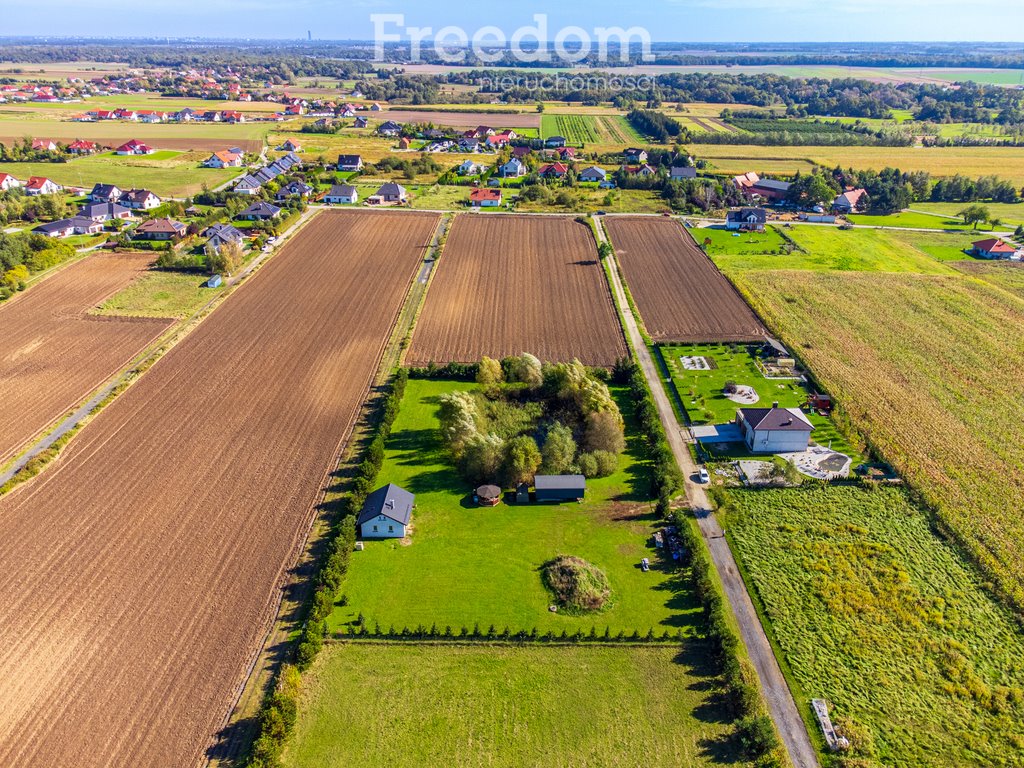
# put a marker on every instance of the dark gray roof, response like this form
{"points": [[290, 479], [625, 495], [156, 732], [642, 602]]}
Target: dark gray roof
{"points": [[779, 186], [683, 172], [248, 182], [391, 501], [103, 209], [390, 188], [558, 482], [759, 215], [223, 231], [349, 159], [105, 190], [54, 226], [261, 209], [342, 190], [775, 419]]}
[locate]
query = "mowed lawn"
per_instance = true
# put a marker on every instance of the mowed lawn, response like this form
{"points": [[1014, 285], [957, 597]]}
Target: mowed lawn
{"points": [[465, 565], [722, 241], [857, 250], [410, 706], [168, 174], [702, 395], [888, 622]]}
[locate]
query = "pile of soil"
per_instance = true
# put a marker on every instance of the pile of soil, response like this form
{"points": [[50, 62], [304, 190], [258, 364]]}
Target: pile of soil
{"points": [[578, 586]]}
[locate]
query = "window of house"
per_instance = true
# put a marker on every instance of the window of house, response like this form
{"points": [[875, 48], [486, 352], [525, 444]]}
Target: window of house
{"points": [[391, 529], [375, 529]]}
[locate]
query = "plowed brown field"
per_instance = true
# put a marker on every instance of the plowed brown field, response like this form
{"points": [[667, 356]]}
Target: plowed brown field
{"points": [[177, 143], [678, 290], [141, 573], [54, 354], [512, 284]]}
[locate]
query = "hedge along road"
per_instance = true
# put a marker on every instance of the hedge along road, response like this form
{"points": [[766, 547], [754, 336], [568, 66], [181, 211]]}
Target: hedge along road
{"points": [[150, 555], [776, 692]]}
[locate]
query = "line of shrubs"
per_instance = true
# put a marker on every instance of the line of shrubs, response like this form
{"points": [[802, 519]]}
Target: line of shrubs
{"points": [[361, 631], [755, 729], [666, 479], [453, 371], [277, 715]]}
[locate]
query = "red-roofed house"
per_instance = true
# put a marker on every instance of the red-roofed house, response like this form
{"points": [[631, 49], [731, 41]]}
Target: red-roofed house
{"points": [[553, 170], [40, 185], [134, 147], [43, 145], [993, 248], [849, 201], [82, 147], [485, 198], [8, 182]]}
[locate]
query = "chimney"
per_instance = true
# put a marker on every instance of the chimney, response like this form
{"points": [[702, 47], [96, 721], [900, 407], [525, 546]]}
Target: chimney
{"points": [[775, 404]]}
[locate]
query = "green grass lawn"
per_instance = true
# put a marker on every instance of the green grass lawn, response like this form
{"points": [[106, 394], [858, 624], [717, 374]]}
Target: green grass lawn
{"points": [[465, 565], [1010, 213], [888, 622], [705, 403], [510, 707], [161, 294], [175, 176], [725, 242], [909, 220], [858, 250]]}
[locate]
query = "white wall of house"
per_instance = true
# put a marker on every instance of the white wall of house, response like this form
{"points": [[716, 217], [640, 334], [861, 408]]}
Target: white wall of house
{"points": [[775, 440], [386, 528]]}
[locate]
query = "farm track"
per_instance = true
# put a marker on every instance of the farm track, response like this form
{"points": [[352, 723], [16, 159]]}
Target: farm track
{"points": [[512, 284], [151, 554], [55, 353], [679, 291]]}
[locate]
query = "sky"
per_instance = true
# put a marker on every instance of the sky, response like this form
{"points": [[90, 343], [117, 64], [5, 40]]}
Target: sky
{"points": [[666, 20]]}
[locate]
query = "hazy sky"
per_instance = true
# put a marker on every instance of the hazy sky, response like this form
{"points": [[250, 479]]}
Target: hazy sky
{"points": [[673, 20]]}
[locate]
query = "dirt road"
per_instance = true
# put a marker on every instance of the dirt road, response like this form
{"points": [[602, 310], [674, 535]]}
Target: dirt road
{"points": [[773, 685]]}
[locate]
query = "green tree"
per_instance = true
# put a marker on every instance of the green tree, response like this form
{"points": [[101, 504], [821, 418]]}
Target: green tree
{"points": [[522, 460], [559, 450], [482, 457], [605, 431], [489, 372], [974, 214]]}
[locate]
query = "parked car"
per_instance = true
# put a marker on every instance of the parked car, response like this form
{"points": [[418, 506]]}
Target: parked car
{"points": [[703, 476], [645, 565]]}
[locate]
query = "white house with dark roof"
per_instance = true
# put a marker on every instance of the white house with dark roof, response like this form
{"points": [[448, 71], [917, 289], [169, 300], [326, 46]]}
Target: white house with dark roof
{"points": [[386, 514], [774, 430], [342, 194]]}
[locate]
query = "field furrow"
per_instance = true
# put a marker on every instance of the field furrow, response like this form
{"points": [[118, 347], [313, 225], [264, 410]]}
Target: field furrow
{"points": [[149, 559]]}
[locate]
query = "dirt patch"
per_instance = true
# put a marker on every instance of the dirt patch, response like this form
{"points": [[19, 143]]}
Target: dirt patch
{"points": [[678, 289], [512, 284], [150, 559], [55, 354]]}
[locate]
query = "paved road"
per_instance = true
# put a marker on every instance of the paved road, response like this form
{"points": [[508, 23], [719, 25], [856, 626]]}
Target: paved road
{"points": [[773, 685]]}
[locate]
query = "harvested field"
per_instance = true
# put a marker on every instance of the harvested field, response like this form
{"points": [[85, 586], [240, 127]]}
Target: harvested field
{"points": [[512, 284], [205, 144], [150, 558], [680, 293], [55, 353], [461, 119]]}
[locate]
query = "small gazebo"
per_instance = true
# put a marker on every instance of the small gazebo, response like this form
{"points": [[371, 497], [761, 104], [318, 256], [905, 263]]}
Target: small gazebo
{"points": [[488, 495]]}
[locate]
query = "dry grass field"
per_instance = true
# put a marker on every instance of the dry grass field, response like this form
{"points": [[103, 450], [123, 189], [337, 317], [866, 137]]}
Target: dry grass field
{"points": [[679, 291], [1005, 162], [150, 558], [512, 284], [928, 368], [54, 353]]}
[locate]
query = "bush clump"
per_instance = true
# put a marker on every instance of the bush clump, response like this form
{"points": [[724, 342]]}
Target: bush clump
{"points": [[578, 586]]}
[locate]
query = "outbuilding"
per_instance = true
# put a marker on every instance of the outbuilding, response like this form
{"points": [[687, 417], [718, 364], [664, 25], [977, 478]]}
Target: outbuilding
{"points": [[386, 513], [559, 487], [487, 495]]}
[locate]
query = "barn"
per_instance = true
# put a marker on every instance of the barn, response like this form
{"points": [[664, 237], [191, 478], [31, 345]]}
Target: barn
{"points": [[559, 487]]}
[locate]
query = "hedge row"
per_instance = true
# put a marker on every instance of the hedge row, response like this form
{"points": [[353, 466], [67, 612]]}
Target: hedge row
{"points": [[277, 715], [361, 631], [666, 479], [755, 729], [454, 371]]}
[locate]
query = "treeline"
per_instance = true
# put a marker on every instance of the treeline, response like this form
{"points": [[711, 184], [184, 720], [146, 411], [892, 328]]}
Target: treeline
{"points": [[657, 126], [278, 713], [24, 254]]}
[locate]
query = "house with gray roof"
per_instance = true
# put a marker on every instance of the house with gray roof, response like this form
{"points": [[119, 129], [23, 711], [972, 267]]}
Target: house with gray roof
{"points": [[774, 430], [342, 194], [559, 487], [219, 235], [386, 514], [259, 212]]}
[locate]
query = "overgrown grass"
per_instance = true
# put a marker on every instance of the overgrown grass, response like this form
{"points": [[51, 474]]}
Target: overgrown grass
{"points": [[511, 707], [161, 294], [886, 621]]}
